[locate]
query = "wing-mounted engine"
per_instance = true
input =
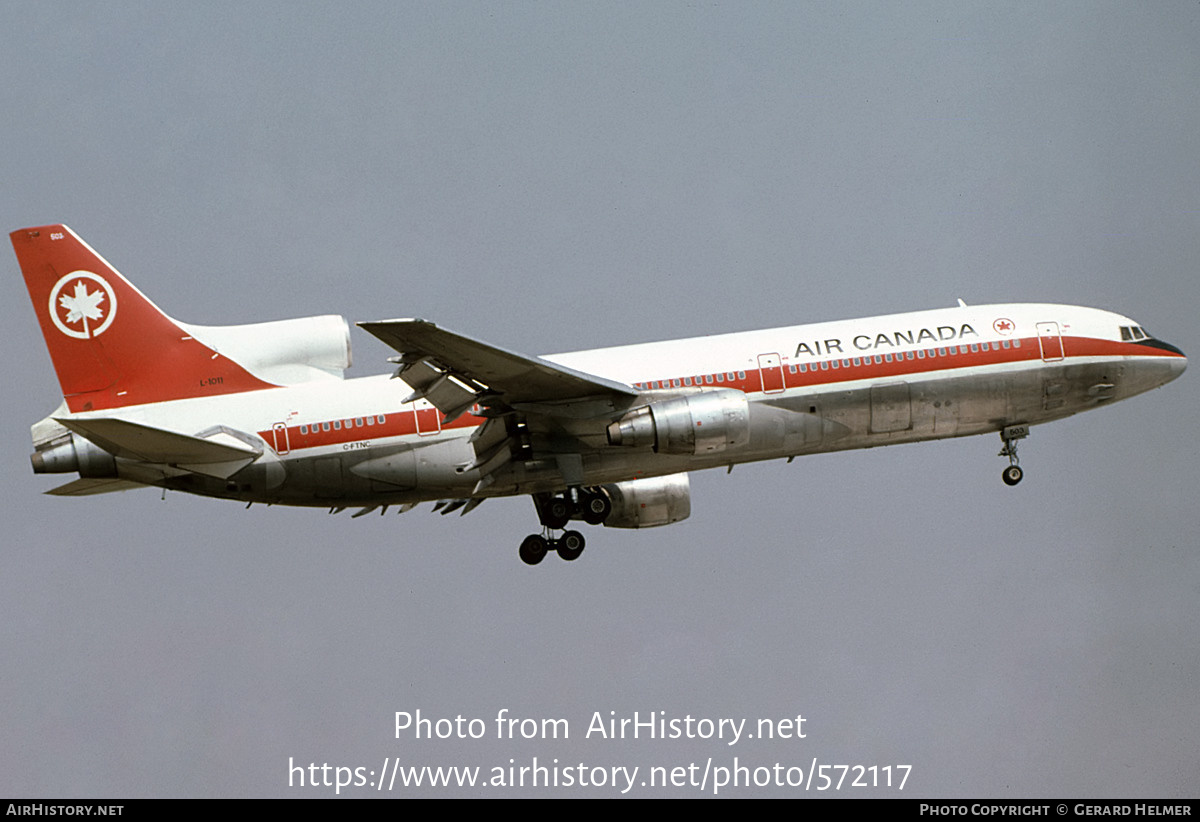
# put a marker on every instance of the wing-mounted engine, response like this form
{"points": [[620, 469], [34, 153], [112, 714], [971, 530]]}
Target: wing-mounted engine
{"points": [[646, 503], [704, 423]]}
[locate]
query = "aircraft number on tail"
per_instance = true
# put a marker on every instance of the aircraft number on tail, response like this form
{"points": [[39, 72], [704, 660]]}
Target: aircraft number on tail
{"points": [[74, 303]]}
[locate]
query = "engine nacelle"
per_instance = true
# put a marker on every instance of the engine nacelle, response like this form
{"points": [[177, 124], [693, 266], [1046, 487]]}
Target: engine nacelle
{"points": [[646, 503], [74, 453], [285, 352], [704, 423]]}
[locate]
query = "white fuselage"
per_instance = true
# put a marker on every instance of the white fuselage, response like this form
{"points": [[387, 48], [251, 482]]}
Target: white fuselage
{"points": [[811, 388]]}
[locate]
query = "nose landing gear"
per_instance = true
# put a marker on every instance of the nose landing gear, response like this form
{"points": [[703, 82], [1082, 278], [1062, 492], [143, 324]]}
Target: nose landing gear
{"points": [[1013, 473]]}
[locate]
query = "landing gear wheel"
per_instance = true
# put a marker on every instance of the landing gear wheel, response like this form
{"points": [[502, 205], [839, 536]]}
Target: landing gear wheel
{"points": [[533, 549], [595, 508], [570, 545], [556, 513], [1012, 474]]}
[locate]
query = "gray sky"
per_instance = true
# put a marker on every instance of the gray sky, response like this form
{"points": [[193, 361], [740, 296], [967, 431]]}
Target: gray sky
{"points": [[560, 176]]}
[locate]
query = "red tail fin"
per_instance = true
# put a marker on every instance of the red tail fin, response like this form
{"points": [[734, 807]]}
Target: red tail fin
{"points": [[110, 345]]}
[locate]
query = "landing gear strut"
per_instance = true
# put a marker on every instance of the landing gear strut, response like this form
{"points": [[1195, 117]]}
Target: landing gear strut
{"points": [[591, 505], [1013, 473]]}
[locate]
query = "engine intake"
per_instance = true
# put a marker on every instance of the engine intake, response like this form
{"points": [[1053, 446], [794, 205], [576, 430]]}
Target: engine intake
{"points": [[705, 423]]}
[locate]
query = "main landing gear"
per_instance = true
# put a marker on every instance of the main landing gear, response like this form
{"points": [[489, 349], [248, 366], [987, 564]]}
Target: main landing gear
{"points": [[1013, 473], [592, 506]]}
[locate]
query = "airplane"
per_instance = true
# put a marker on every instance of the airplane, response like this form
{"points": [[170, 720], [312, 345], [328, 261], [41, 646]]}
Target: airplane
{"points": [[263, 412]]}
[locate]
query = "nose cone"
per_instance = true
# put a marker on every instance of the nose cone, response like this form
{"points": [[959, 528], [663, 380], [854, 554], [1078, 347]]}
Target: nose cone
{"points": [[1175, 365], [1153, 369], [1161, 370], [1178, 366]]}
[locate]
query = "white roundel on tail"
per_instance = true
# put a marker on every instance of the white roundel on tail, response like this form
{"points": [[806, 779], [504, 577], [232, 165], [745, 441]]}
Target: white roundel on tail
{"points": [[79, 310]]}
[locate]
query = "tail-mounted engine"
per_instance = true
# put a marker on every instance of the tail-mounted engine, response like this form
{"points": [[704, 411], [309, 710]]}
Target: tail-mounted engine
{"points": [[704, 423], [72, 453]]}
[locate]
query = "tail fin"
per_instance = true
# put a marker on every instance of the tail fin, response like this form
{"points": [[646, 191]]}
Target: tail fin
{"points": [[110, 345]]}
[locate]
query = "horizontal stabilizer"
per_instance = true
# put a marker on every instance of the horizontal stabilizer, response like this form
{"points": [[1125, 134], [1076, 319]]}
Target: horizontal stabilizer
{"points": [[135, 441], [87, 487]]}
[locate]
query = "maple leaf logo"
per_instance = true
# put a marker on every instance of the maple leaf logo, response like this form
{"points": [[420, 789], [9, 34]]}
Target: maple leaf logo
{"points": [[94, 309], [1003, 325], [83, 306]]}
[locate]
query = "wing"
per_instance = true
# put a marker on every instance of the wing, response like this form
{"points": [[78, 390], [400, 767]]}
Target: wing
{"points": [[454, 371], [535, 408]]}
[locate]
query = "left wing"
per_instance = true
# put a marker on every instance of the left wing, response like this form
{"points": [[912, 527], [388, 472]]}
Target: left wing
{"points": [[535, 408], [454, 371]]}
